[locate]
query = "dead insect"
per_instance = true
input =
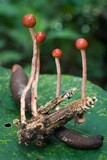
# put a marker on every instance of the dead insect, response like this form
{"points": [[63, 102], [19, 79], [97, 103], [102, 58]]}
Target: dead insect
{"points": [[39, 129]]}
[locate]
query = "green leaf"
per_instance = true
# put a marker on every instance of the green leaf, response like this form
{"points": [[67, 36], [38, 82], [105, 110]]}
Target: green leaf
{"points": [[9, 56], [96, 122], [8, 10], [65, 34]]}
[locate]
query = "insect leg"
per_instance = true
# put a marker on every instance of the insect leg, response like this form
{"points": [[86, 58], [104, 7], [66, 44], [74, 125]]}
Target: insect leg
{"points": [[53, 103]]}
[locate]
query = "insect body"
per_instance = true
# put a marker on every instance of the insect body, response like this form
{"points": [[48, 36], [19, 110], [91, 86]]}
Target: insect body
{"points": [[39, 129]]}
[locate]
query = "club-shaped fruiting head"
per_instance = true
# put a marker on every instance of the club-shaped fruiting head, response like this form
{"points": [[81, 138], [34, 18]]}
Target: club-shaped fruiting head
{"points": [[40, 37], [81, 43], [29, 21], [57, 53]]}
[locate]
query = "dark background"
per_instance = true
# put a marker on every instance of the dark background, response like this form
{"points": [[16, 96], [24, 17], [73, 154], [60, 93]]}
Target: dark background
{"points": [[63, 21]]}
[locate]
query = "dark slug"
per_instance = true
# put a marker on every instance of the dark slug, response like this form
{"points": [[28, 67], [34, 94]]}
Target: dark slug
{"points": [[77, 140], [71, 138], [18, 82]]}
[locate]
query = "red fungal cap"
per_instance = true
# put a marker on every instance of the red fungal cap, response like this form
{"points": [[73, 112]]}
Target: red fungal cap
{"points": [[29, 21], [81, 43], [57, 53], [40, 37]]}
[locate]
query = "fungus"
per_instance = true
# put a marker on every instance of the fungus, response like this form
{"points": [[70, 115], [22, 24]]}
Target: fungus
{"points": [[57, 53], [39, 129], [30, 21], [40, 37], [81, 44], [33, 70]]}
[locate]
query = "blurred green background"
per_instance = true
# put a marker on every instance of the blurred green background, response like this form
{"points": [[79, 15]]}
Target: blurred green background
{"points": [[63, 21]]}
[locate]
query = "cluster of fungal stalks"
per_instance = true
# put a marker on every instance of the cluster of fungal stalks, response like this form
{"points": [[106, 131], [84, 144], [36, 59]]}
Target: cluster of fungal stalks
{"points": [[43, 123], [29, 21]]}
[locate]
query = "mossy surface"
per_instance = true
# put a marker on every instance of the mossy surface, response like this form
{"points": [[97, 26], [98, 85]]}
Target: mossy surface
{"points": [[96, 121]]}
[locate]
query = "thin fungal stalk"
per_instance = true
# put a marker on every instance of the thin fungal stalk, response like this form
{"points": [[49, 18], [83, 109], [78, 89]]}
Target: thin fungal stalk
{"points": [[58, 88], [58, 77], [84, 79], [32, 33], [36, 77], [84, 73], [23, 96], [57, 53], [35, 85], [81, 44]]}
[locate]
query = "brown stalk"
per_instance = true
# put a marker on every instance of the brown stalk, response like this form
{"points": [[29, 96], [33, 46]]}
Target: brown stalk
{"points": [[84, 79], [58, 87], [57, 53], [84, 74], [33, 70], [58, 67], [34, 86], [31, 30], [35, 78]]}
